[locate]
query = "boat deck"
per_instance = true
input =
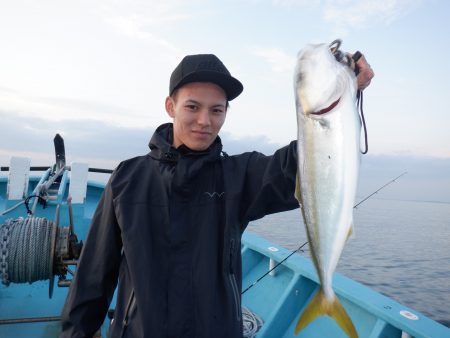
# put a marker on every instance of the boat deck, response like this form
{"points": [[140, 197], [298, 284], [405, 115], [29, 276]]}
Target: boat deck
{"points": [[280, 299]]}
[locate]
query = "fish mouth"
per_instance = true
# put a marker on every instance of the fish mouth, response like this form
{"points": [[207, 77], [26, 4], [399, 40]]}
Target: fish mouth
{"points": [[327, 109]]}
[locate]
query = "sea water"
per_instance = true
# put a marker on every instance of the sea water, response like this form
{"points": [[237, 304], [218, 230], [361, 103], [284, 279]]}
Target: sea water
{"points": [[399, 248]]}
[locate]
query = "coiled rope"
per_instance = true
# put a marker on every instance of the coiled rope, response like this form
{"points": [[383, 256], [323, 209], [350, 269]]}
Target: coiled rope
{"points": [[25, 250], [251, 323]]}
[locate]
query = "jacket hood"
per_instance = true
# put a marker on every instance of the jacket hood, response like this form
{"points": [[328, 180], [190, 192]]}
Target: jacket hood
{"points": [[161, 146]]}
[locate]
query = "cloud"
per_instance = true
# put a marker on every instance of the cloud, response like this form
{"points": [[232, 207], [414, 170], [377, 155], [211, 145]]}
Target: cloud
{"points": [[136, 27], [279, 60], [96, 142], [6, 90], [355, 14], [347, 14], [66, 108], [104, 145], [145, 20], [427, 178], [288, 3], [260, 143], [295, 2], [91, 141]]}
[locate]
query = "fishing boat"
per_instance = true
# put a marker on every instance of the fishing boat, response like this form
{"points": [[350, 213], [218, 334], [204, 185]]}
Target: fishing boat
{"points": [[45, 218]]}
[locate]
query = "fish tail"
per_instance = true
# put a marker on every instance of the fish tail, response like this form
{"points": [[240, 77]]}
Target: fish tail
{"points": [[320, 306]]}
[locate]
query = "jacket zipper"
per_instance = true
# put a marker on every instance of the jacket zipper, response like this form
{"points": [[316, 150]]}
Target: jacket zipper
{"points": [[233, 283], [130, 305]]}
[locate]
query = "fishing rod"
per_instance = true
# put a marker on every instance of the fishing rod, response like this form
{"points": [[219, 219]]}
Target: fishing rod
{"points": [[276, 266], [301, 246], [392, 181]]}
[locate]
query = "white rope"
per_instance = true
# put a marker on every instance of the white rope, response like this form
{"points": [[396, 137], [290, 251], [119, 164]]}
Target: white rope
{"points": [[251, 322]]}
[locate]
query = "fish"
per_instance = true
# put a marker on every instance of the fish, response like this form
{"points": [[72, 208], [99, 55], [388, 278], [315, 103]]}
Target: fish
{"points": [[328, 149]]}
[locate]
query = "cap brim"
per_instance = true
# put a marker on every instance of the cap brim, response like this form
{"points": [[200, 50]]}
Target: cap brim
{"points": [[232, 86]]}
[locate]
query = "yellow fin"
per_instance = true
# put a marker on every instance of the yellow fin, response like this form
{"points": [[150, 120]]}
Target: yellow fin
{"points": [[320, 306], [350, 232], [297, 188]]}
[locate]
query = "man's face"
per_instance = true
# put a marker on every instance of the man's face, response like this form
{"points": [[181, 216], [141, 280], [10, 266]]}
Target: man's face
{"points": [[198, 111]]}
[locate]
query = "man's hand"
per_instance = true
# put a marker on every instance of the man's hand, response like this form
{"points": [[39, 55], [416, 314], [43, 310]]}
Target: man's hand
{"points": [[365, 74]]}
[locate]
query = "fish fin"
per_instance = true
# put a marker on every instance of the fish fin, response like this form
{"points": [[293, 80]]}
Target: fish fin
{"points": [[297, 188], [320, 306], [350, 232]]}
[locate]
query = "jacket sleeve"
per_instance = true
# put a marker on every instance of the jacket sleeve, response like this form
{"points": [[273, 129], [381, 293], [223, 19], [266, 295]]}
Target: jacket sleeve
{"points": [[269, 185], [96, 276]]}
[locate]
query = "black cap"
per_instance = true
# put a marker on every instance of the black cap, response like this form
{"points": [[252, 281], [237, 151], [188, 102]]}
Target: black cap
{"points": [[205, 68]]}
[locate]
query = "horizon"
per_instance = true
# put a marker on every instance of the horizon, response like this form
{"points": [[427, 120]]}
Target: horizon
{"points": [[428, 177]]}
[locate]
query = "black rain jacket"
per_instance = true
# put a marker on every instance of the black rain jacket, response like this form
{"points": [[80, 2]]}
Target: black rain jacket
{"points": [[168, 228]]}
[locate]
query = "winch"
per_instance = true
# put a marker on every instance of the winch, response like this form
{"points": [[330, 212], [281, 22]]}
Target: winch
{"points": [[36, 248]]}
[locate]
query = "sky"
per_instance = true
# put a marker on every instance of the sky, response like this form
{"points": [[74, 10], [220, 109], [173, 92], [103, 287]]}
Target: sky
{"points": [[98, 72]]}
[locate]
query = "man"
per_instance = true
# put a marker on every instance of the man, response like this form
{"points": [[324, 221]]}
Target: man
{"points": [[169, 224]]}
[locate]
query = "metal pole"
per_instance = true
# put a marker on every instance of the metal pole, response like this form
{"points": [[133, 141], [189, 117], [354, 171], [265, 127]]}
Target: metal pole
{"points": [[30, 320]]}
